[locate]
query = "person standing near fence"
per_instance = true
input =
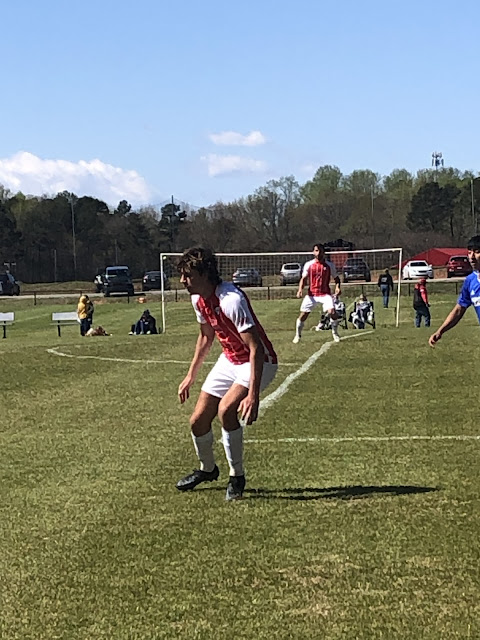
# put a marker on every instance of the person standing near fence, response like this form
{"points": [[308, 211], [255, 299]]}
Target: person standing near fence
{"points": [[385, 282], [420, 303], [469, 295]]}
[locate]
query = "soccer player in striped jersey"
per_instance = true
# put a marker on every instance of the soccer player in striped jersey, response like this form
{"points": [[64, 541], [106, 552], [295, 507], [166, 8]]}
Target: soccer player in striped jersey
{"points": [[247, 364], [318, 273]]}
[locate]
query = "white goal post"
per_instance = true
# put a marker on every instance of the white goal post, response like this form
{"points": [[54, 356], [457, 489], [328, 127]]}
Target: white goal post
{"points": [[267, 278]]}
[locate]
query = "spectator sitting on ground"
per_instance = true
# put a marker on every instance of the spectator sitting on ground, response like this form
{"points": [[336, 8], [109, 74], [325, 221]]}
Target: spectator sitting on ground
{"points": [[146, 325]]}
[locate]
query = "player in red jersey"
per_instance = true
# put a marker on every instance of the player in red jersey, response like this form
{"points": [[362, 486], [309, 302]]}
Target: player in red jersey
{"points": [[318, 272], [247, 364]]}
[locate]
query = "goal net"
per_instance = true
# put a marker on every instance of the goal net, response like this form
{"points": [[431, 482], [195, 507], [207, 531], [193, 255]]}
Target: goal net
{"points": [[275, 276]]}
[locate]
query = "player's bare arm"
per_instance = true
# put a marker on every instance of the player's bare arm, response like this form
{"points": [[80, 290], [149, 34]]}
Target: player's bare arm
{"points": [[338, 290], [301, 284], [248, 407], [203, 346], [453, 318]]}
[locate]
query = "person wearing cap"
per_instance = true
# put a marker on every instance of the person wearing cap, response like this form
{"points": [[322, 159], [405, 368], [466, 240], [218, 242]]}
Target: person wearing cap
{"points": [[146, 325], [420, 303], [469, 295]]}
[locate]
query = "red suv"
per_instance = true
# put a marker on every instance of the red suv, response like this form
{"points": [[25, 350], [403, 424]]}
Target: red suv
{"points": [[458, 266]]}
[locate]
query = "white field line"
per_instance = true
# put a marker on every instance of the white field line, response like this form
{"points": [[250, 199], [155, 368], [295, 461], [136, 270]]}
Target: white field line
{"points": [[319, 440], [283, 388], [54, 351]]}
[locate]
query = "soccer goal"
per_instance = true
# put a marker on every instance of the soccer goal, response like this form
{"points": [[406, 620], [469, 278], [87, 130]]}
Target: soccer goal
{"points": [[275, 276]]}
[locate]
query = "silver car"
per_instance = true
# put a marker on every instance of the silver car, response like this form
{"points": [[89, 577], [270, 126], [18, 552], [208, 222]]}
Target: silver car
{"points": [[291, 273], [246, 277]]}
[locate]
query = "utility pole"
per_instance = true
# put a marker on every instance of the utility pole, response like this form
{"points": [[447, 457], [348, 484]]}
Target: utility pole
{"points": [[437, 161], [73, 238], [373, 216], [172, 215]]}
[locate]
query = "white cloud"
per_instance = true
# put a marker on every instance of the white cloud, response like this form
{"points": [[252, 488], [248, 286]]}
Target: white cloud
{"points": [[218, 165], [32, 175], [232, 138]]}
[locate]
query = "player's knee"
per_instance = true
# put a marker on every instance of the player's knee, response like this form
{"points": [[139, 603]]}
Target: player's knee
{"points": [[227, 414], [199, 424]]}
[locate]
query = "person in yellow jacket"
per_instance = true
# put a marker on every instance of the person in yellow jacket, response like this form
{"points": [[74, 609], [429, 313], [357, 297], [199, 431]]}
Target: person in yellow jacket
{"points": [[85, 313]]}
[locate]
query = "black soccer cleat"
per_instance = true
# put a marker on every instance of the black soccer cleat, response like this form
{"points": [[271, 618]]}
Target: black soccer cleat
{"points": [[235, 488], [196, 477]]}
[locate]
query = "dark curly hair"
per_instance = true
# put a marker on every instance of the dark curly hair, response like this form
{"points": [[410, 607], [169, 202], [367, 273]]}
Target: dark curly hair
{"points": [[203, 261], [474, 243]]}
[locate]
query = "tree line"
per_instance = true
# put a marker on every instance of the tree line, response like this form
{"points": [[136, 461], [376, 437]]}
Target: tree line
{"points": [[66, 237]]}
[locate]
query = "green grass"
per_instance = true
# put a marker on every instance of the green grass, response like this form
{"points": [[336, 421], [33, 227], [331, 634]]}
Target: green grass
{"points": [[74, 286], [334, 539]]}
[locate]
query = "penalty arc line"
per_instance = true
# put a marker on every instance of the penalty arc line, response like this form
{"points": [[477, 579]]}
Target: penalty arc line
{"points": [[54, 351]]}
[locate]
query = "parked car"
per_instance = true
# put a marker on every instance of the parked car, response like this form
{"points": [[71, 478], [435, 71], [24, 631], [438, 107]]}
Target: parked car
{"points": [[246, 277], [417, 269], [458, 266], [153, 280], [116, 279], [356, 269], [291, 273], [8, 285]]}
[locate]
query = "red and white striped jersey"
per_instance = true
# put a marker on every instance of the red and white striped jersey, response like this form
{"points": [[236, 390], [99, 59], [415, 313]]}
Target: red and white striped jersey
{"points": [[319, 275], [229, 312]]}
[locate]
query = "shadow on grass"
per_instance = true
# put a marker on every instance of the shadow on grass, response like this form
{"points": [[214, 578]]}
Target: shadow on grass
{"points": [[336, 493]]}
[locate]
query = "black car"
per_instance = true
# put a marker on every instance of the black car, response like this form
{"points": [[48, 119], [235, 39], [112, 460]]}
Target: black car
{"points": [[153, 279], [246, 277], [8, 285], [117, 279], [356, 269]]}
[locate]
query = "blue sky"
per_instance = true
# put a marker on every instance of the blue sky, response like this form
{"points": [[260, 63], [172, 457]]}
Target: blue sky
{"points": [[207, 100]]}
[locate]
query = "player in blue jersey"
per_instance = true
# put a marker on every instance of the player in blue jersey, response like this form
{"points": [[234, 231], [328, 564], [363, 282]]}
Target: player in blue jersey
{"points": [[469, 295]]}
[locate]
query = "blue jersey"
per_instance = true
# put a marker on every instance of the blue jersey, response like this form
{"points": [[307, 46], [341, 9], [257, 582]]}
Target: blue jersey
{"points": [[470, 293]]}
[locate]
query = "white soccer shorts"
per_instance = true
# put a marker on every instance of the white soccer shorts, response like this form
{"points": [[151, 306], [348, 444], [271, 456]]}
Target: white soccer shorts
{"points": [[310, 302], [224, 374]]}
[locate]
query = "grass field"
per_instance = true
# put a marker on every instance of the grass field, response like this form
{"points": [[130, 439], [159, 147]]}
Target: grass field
{"points": [[361, 515]]}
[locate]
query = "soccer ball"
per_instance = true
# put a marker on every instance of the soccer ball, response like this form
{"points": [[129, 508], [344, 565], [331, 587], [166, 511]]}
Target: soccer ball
{"points": [[142, 300]]}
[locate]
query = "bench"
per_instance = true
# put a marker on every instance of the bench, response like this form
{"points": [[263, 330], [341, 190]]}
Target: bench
{"points": [[6, 319], [63, 318]]}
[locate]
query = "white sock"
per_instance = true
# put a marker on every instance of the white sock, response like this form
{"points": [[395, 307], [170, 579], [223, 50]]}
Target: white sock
{"points": [[299, 327], [204, 449], [233, 445]]}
